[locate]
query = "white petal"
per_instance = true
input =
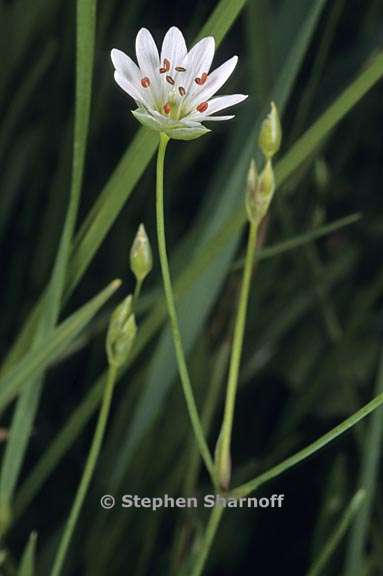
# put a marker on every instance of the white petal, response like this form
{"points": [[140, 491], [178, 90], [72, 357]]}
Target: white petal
{"points": [[149, 63], [130, 88], [173, 48], [125, 65], [198, 61], [221, 102], [217, 118], [146, 52], [214, 82], [216, 104]]}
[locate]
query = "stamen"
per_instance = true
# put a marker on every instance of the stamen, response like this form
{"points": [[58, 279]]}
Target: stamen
{"points": [[145, 82], [167, 108], [202, 80], [202, 107], [165, 67], [182, 90], [170, 80], [180, 69]]}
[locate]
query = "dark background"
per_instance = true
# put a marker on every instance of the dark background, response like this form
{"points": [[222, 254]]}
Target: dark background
{"points": [[315, 363]]}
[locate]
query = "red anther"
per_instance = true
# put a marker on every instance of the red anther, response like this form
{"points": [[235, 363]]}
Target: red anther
{"points": [[145, 82], [201, 80], [170, 80], [182, 90], [202, 107], [167, 108], [166, 64], [163, 70], [180, 69]]}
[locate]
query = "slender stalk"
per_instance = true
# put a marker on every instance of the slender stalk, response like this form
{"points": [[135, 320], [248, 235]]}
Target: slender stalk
{"points": [[211, 529], [338, 533], [87, 474], [169, 296], [236, 352], [275, 471], [215, 384], [137, 291], [368, 479]]}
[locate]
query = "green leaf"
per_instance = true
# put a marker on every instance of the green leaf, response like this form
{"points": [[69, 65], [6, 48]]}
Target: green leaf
{"points": [[28, 402], [368, 480], [338, 533], [302, 239], [221, 20], [275, 471], [27, 563], [47, 352]]}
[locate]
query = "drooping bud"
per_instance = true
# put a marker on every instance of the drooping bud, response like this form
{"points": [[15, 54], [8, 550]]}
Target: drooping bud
{"points": [[121, 333], [271, 133], [141, 260]]}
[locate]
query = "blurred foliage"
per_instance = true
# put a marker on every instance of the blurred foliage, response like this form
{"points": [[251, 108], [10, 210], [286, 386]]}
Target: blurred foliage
{"points": [[313, 337]]}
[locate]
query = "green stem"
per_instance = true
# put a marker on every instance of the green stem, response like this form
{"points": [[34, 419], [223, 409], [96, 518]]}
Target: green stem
{"points": [[339, 532], [236, 352], [211, 529], [87, 474], [137, 291], [275, 471], [169, 296]]}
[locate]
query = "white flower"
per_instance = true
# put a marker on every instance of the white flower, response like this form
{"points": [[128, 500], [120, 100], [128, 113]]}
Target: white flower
{"points": [[173, 91]]}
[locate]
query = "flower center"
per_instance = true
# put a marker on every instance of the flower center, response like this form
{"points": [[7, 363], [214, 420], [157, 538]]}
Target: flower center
{"points": [[173, 99]]}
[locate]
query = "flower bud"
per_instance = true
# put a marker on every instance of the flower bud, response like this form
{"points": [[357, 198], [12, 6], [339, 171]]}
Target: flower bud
{"points": [[271, 133], [121, 333], [223, 465], [259, 193], [251, 189], [141, 261]]}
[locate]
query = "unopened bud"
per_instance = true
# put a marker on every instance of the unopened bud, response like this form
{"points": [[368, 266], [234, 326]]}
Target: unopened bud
{"points": [[260, 195], [222, 465], [271, 133], [251, 189], [141, 261], [121, 333]]}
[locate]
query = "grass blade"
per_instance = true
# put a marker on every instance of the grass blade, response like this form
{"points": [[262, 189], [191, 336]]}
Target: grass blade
{"points": [[303, 239], [27, 564], [27, 404], [275, 471], [368, 479], [45, 354], [338, 533]]}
